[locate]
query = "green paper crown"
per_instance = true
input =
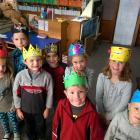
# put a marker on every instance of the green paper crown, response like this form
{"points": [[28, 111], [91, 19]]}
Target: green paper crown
{"points": [[73, 79]]}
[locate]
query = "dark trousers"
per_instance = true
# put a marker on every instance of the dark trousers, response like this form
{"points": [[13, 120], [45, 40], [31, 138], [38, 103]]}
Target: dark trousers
{"points": [[34, 126]]}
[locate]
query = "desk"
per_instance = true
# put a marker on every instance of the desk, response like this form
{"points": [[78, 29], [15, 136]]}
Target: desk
{"points": [[34, 40]]}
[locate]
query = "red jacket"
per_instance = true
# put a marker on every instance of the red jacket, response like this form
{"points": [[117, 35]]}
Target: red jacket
{"points": [[85, 127]]}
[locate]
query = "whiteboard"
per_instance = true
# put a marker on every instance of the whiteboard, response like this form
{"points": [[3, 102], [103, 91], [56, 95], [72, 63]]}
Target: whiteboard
{"points": [[126, 21]]}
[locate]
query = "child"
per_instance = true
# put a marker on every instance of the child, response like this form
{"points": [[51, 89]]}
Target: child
{"points": [[113, 89], [7, 114], [20, 40], [78, 60], [126, 124], [33, 91], [75, 118], [56, 69]]}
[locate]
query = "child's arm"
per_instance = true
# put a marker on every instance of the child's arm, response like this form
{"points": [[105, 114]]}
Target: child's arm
{"points": [[49, 100], [112, 128], [56, 125], [96, 128], [125, 97], [100, 94], [16, 96]]}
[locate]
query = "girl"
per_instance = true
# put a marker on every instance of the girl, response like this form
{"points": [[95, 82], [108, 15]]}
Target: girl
{"points": [[78, 61], [113, 89], [20, 40], [56, 69], [7, 113]]}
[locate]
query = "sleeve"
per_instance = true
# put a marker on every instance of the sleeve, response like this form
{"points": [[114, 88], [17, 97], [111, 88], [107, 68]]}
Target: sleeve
{"points": [[56, 124], [49, 86], [97, 131], [99, 94], [90, 74], [126, 95], [110, 134], [17, 92]]}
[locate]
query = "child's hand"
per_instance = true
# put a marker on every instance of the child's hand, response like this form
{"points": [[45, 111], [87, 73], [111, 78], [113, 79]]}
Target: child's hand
{"points": [[20, 114], [46, 113]]}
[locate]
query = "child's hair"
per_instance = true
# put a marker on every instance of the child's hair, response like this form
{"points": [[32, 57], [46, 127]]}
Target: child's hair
{"points": [[4, 56], [20, 28], [126, 74]]}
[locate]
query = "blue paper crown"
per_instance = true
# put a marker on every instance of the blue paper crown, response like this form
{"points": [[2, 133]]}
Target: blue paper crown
{"points": [[75, 49], [136, 97]]}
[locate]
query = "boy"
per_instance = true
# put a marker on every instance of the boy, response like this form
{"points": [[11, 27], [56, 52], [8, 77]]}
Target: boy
{"points": [[33, 91], [20, 39], [126, 124], [75, 118]]}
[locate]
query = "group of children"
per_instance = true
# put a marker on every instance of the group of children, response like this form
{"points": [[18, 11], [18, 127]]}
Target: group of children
{"points": [[37, 81]]}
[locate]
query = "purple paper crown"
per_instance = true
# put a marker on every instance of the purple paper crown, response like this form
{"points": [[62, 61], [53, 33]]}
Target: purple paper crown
{"points": [[75, 49]]}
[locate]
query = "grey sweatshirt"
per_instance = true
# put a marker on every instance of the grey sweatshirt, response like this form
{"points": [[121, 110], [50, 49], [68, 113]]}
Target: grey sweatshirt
{"points": [[32, 93], [112, 98], [121, 129]]}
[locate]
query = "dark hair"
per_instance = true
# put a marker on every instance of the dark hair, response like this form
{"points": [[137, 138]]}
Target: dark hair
{"points": [[126, 74], [20, 29], [138, 82]]}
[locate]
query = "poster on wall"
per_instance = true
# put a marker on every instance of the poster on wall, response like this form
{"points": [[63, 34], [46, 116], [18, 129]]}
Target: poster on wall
{"points": [[126, 22]]}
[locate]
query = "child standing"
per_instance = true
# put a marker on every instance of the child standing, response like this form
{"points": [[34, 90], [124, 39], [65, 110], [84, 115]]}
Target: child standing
{"points": [[56, 69], [113, 89], [33, 91], [7, 114], [20, 40], [78, 60], [126, 124], [75, 118]]}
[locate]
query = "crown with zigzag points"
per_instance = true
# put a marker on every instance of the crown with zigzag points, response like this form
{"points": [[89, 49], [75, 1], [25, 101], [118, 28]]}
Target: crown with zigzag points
{"points": [[52, 48], [32, 51]]}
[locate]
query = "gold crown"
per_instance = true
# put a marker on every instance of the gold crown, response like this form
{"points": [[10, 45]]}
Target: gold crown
{"points": [[31, 52], [121, 54], [51, 48]]}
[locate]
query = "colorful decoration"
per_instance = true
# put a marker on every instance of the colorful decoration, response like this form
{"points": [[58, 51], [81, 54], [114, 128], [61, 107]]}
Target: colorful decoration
{"points": [[136, 97], [20, 27], [75, 49]]}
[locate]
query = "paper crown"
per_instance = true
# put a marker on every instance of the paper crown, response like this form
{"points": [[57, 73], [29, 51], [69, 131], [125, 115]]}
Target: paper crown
{"points": [[121, 54], [75, 49], [3, 50], [20, 28], [136, 97], [73, 79], [32, 51], [52, 48]]}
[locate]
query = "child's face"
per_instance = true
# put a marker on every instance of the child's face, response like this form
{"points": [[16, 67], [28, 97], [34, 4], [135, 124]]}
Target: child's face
{"points": [[116, 67], [20, 40], [79, 63], [134, 113], [52, 59], [76, 95], [2, 67], [34, 63]]}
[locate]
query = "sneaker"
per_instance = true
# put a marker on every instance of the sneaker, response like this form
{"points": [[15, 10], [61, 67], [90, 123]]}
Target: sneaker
{"points": [[16, 136], [6, 136]]}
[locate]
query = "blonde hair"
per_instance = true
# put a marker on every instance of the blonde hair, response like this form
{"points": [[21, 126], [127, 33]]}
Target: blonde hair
{"points": [[126, 74], [9, 71]]}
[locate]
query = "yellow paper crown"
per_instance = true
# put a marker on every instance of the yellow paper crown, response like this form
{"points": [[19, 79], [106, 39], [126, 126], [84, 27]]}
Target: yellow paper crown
{"points": [[121, 54], [31, 52], [51, 48]]}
